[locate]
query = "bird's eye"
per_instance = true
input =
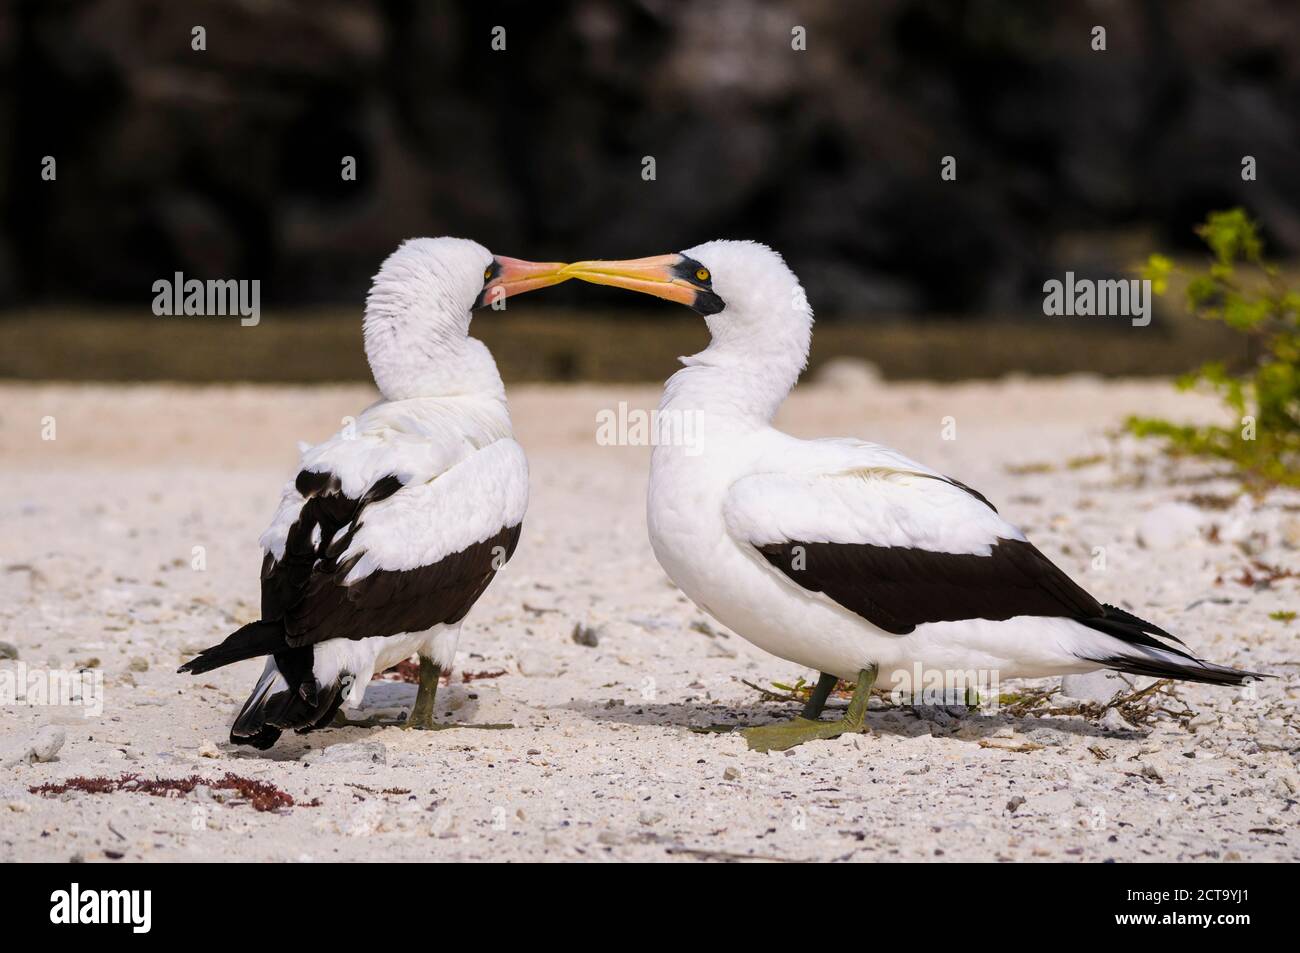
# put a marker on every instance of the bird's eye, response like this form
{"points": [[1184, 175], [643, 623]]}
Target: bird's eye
{"points": [[487, 272], [702, 274]]}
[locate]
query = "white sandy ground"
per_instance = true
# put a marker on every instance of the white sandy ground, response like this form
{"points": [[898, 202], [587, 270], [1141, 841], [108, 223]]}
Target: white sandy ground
{"points": [[99, 527]]}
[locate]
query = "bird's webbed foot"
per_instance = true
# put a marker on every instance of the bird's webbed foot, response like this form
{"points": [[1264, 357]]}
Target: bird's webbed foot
{"points": [[785, 735]]}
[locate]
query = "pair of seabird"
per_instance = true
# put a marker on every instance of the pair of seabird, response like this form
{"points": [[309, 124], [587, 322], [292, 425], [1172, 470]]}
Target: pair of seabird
{"points": [[836, 554]]}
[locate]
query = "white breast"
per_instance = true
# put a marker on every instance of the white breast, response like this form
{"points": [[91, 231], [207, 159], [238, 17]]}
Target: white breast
{"points": [[732, 582]]}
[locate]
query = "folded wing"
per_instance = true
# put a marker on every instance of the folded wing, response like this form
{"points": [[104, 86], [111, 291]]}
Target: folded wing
{"points": [[393, 556], [902, 545]]}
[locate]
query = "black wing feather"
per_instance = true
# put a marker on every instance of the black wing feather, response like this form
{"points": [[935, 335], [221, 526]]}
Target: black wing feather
{"points": [[305, 589], [388, 602], [898, 588], [305, 599]]}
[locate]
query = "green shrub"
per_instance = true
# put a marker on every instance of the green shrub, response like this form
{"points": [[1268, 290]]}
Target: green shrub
{"points": [[1248, 294]]}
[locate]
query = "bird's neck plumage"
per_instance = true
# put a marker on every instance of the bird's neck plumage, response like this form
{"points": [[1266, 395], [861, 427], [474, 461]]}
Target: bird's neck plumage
{"points": [[416, 359], [478, 419], [742, 377]]}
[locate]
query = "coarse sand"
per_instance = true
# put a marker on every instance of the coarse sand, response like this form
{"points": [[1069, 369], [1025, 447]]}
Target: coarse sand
{"points": [[130, 542]]}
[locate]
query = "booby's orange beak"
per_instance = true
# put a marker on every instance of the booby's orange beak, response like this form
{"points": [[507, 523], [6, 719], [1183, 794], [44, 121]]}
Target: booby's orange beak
{"points": [[512, 276], [674, 277]]}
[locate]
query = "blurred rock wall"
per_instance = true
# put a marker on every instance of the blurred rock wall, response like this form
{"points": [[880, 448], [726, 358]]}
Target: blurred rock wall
{"points": [[227, 162]]}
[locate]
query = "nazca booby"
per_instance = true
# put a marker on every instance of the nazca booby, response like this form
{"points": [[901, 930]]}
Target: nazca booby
{"points": [[838, 554], [394, 526]]}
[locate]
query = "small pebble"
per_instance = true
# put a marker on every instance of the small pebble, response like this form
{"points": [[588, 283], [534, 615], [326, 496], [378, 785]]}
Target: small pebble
{"points": [[585, 635], [537, 665], [1114, 721], [371, 752], [1099, 687], [44, 746]]}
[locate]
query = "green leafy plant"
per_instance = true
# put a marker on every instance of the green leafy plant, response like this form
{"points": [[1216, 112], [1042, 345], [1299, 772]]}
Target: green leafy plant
{"points": [[1249, 295]]}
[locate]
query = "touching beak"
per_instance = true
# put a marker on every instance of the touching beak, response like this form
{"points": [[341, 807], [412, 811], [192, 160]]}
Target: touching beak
{"points": [[515, 276], [653, 276]]}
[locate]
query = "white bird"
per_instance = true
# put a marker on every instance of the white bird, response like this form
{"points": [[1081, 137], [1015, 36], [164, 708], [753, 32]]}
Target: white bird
{"points": [[838, 554], [394, 526]]}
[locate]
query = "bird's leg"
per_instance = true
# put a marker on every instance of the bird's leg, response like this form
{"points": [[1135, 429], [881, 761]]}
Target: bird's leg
{"points": [[421, 715], [817, 699], [785, 735], [422, 711]]}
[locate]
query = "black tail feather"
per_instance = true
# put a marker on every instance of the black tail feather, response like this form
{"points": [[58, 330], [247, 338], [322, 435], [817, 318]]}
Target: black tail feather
{"points": [[1116, 614], [262, 739], [249, 641], [1129, 628], [1190, 670], [1153, 657], [286, 697]]}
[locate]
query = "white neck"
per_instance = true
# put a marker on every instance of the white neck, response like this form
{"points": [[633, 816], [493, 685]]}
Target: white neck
{"points": [[405, 366], [742, 376]]}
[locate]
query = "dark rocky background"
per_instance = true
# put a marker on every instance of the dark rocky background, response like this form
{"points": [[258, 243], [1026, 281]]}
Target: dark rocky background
{"points": [[225, 163]]}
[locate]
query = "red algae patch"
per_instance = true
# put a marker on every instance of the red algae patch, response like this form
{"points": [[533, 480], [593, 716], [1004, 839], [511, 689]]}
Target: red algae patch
{"points": [[261, 795]]}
